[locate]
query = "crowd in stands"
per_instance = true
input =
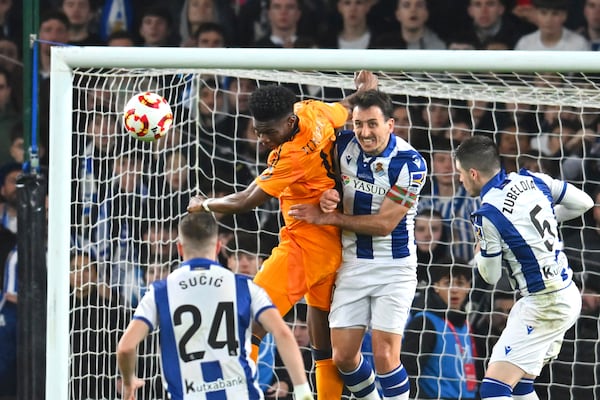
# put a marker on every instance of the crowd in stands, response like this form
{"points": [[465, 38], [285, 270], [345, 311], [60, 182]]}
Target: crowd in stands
{"points": [[124, 223]]}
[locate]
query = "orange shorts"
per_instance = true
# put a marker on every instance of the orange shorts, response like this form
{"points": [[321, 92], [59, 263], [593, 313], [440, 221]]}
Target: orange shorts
{"points": [[303, 264]]}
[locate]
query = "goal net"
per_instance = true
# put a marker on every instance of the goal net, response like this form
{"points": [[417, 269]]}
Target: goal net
{"points": [[114, 222]]}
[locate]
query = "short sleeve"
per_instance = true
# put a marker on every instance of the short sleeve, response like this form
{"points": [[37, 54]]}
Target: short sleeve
{"points": [[147, 310]]}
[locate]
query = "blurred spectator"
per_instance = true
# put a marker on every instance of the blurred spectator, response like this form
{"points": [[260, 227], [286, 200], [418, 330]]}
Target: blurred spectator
{"points": [[283, 17], [402, 121], [444, 193], [354, 31], [156, 27], [95, 328], [54, 30], [158, 243], [170, 186], [209, 35], [254, 21], [414, 33], [11, 61], [438, 349], [511, 144], [490, 23], [11, 20], [551, 16], [8, 192], [231, 128], [566, 149], [80, 15], [432, 239], [244, 254], [194, 13], [120, 39], [9, 117], [591, 29], [119, 229], [435, 117]]}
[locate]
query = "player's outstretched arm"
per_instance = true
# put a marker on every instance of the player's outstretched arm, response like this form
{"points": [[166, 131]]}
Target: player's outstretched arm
{"points": [[246, 200], [288, 350], [127, 357]]}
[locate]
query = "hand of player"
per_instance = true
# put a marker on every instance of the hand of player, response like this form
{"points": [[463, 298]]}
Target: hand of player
{"points": [[365, 80], [329, 200], [130, 389], [302, 392], [195, 204], [306, 212]]}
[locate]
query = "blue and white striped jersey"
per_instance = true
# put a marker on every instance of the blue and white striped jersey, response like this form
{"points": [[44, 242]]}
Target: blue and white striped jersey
{"points": [[366, 181], [205, 313], [517, 222]]}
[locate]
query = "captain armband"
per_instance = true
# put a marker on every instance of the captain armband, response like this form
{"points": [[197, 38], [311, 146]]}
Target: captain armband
{"points": [[402, 196]]}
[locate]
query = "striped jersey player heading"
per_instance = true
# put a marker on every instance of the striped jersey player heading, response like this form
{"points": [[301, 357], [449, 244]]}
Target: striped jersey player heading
{"points": [[398, 173]]}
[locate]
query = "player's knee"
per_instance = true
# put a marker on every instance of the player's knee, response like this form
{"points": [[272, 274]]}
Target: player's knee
{"points": [[344, 360]]}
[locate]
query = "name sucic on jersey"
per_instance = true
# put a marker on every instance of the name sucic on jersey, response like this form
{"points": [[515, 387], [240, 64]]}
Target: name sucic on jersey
{"points": [[202, 280], [514, 192]]}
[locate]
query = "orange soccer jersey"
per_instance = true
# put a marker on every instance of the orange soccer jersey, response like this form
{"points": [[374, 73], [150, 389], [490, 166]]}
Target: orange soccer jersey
{"points": [[299, 171]]}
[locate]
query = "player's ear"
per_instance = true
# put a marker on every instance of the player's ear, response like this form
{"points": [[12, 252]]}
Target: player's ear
{"points": [[292, 119], [180, 249]]}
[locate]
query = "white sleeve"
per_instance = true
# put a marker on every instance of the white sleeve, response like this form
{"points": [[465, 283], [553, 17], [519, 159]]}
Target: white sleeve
{"points": [[260, 299], [146, 311], [489, 259], [569, 202]]}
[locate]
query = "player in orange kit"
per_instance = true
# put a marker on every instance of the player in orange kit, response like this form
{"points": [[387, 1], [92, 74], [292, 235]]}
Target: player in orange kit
{"points": [[300, 169]]}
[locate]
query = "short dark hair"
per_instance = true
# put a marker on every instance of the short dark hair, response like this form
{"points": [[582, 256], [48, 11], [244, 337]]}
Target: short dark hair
{"points": [[374, 98], [271, 102], [210, 27], [439, 271], [156, 10], [244, 242], [7, 168], [198, 227], [57, 15], [478, 152], [121, 34], [552, 4]]}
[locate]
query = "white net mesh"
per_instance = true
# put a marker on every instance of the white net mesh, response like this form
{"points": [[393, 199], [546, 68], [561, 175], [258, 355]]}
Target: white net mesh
{"points": [[127, 196]]}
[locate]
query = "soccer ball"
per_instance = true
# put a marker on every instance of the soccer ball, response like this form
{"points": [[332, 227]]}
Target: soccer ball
{"points": [[147, 116]]}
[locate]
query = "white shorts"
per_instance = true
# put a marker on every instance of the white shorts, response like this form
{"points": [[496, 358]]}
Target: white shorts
{"points": [[536, 327], [374, 294]]}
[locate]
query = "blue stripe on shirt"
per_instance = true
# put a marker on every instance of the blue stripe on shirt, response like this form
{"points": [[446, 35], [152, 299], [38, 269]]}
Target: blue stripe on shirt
{"points": [[517, 244]]}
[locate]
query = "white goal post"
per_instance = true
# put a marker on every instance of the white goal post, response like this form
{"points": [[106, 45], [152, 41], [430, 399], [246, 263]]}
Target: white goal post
{"points": [[567, 81]]}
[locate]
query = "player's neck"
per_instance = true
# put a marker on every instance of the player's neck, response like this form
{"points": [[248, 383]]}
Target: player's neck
{"points": [[353, 32]]}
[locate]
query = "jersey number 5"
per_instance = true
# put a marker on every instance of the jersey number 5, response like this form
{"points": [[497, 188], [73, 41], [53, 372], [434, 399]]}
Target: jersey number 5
{"points": [[223, 314], [542, 227]]}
